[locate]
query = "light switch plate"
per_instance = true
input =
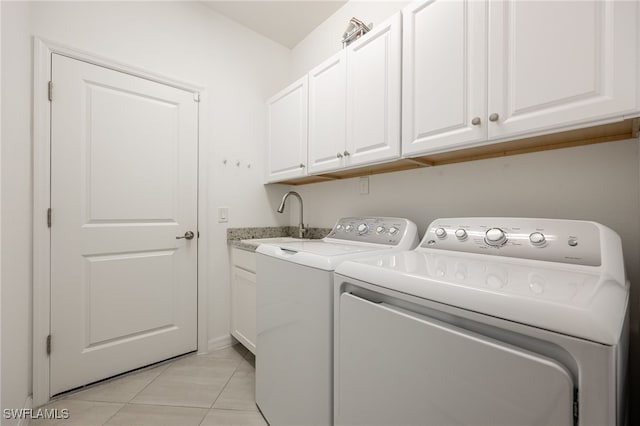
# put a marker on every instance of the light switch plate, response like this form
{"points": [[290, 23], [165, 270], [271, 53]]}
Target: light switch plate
{"points": [[364, 185], [223, 214]]}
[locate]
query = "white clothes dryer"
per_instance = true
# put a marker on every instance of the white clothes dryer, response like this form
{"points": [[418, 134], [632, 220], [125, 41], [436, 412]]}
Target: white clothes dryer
{"points": [[490, 321], [294, 350]]}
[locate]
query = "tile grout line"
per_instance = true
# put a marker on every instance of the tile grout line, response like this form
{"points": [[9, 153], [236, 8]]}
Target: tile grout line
{"points": [[226, 384]]}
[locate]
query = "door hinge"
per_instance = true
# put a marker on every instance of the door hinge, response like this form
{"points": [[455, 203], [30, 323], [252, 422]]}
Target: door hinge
{"points": [[50, 90], [196, 97], [49, 217], [49, 345]]}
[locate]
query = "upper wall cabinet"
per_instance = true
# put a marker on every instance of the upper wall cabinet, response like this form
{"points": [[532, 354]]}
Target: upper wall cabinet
{"points": [[327, 114], [560, 63], [536, 67], [287, 132], [444, 74], [373, 94], [354, 102]]}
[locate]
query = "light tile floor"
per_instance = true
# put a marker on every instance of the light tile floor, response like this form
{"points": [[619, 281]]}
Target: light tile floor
{"points": [[213, 389]]}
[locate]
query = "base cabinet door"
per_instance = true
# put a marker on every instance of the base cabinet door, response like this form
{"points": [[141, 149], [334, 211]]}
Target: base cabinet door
{"points": [[327, 114], [560, 63], [373, 94], [287, 132], [444, 75], [243, 308]]}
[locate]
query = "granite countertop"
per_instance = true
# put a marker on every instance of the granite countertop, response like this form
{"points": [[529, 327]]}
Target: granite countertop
{"points": [[241, 237]]}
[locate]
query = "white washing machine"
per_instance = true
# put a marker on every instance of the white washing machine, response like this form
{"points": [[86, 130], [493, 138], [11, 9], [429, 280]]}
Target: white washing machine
{"points": [[294, 359], [490, 321]]}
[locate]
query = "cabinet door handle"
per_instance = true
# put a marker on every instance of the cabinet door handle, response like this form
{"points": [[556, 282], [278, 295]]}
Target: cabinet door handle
{"points": [[494, 117], [301, 166], [476, 121], [338, 155], [346, 153]]}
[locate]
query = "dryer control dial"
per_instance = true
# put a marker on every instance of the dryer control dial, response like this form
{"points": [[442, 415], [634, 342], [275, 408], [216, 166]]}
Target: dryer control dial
{"points": [[363, 228], [537, 239], [380, 230], [348, 228], [393, 230], [461, 234], [441, 233], [495, 237]]}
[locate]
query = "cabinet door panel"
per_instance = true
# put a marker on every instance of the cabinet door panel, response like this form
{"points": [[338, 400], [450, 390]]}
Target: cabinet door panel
{"points": [[444, 75], [243, 307], [373, 94], [287, 132], [327, 114], [560, 63]]}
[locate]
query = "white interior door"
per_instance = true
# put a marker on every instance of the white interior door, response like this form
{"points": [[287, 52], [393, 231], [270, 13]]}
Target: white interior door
{"points": [[123, 187], [396, 367]]}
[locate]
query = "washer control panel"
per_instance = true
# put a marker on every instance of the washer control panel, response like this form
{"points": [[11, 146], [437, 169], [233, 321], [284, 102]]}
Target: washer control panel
{"points": [[553, 240], [378, 230]]}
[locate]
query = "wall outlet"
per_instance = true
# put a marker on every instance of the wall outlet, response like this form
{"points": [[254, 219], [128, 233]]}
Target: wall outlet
{"points": [[364, 185], [223, 214]]}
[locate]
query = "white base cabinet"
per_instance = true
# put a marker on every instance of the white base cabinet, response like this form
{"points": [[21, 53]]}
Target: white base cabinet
{"points": [[243, 297]]}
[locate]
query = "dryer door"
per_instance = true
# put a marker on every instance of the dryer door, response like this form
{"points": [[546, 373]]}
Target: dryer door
{"points": [[397, 367]]}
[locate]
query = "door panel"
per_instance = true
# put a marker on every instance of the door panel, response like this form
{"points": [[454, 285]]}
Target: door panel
{"points": [[123, 187], [557, 63], [397, 367], [327, 114], [373, 94], [287, 133], [444, 75]]}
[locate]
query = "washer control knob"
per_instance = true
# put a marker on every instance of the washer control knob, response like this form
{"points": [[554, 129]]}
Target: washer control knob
{"points": [[537, 239], [495, 237], [393, 230], [348, 228], [339, 228], [461, 234], [363, 228], [380, 229], [441, 233]]}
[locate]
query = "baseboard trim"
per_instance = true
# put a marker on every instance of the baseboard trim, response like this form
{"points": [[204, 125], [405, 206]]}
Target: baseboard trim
{"points": [[219, 343]]}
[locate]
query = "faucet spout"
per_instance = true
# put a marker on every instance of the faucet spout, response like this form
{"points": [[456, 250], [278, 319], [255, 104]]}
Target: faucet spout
{"points": [[301, 229]]}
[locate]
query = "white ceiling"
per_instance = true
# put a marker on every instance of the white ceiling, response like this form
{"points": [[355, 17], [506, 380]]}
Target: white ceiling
{"points": [[286, 22]]}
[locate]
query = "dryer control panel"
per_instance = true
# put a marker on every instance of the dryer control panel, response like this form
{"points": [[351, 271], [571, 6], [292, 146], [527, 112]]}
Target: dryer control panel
{"points": [[554, 240], [378, 230]]}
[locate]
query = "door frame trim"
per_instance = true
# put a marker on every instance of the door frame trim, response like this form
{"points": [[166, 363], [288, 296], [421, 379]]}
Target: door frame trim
{"points": [[42, 57]]}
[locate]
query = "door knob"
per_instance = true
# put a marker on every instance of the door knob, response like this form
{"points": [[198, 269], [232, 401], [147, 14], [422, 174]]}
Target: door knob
{"points": [[338, 155], [475, 121], [347, 153], [187, 235], [494, 117]]}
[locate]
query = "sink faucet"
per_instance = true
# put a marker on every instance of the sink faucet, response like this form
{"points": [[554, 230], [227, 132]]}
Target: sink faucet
{"points": [[301, 229]]}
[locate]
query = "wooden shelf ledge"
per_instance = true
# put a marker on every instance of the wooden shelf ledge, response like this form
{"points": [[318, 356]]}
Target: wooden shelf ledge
{"points": [[619, 130]]}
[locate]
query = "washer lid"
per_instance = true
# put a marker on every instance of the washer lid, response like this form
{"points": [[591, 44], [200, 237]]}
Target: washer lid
{"points": [[569, 299], [320, 254]]}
